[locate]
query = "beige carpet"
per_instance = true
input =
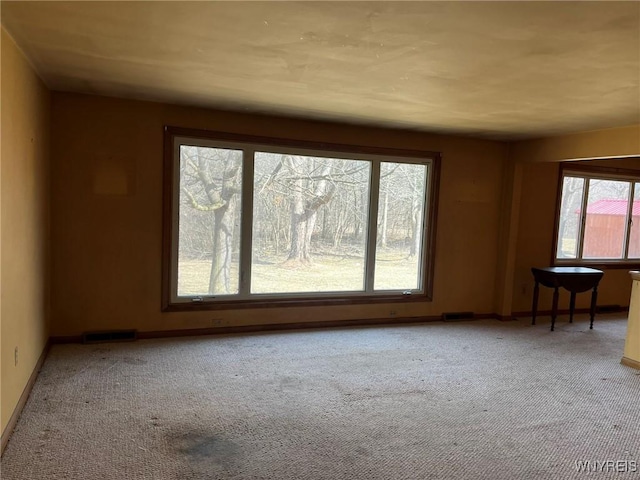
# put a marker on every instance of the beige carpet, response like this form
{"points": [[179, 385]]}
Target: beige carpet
{"points": [[470, 400]]}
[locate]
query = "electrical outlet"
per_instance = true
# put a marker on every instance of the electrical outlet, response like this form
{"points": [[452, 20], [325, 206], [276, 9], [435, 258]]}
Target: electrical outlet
{"points": [[15, 356], [392, 313], [216, 322]]}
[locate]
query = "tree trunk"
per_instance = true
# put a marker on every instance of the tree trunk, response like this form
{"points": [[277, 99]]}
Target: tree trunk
{"points": [[416, 221], [304, 213], [385, 218], [223, 230], [299, 248], [356, 222], [219, 279], [326, 234]]}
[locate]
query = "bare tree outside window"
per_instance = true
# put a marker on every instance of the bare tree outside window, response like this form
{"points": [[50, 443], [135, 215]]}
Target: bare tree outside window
{"points": [[209, 237], [400, 214], [569, 226], [308, 222]]}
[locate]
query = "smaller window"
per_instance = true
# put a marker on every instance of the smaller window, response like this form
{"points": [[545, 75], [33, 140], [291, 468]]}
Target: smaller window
{"points": [[598, 219]]}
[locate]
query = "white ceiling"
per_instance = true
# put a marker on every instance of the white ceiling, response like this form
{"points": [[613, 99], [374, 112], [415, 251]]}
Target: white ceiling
{"points": [[495, 69]]}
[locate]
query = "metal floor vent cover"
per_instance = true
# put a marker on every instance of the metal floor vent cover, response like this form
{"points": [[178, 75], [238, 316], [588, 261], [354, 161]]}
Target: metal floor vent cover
{"points": [[608, 309], [109, 336], [457, 316]]}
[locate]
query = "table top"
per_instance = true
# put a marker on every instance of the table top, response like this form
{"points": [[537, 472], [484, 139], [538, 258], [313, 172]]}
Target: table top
{"points": [[570, 270]]}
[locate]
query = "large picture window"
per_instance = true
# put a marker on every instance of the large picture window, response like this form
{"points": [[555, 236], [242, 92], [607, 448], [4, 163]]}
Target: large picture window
{"points": [[252, 220], [598, 217]]}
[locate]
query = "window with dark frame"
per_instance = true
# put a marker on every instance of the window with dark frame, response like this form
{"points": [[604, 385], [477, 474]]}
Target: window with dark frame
{"points": [[257, 220], [598, 218]]}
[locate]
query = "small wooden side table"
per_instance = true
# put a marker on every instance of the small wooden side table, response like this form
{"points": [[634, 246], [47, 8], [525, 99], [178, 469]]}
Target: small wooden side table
{"points": [[573, 279]]}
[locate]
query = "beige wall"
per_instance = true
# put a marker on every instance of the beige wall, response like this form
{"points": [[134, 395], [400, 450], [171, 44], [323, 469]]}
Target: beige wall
{"points": [[535, 239], [611, 142], [508, 240], [107, 248], [24, 231], [495, 216]]}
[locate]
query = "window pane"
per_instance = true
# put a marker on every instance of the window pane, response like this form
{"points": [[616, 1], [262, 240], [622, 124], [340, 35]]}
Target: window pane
{"points": [[634, 238], [309, 224], [569, 226], [209, 223], [604, 232], [400, 229]]}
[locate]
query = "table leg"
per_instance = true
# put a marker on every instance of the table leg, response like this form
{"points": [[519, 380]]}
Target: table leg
{"points": [[554, 308], [572, 306], [594, 299], [534, 306]]}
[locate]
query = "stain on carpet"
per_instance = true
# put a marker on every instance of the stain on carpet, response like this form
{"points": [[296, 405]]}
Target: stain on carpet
{"points": [[206, 447]]}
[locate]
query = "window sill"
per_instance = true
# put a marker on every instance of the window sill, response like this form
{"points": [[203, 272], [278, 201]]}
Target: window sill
{"points": [[600, 264], [292, 302]]}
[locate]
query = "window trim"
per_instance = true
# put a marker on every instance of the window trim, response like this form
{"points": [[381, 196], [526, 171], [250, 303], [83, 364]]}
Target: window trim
{"points": [[598, 172], [171, 134]]}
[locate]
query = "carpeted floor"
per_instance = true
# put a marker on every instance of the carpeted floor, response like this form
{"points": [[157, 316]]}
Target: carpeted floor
{"points": [[468, 400]]}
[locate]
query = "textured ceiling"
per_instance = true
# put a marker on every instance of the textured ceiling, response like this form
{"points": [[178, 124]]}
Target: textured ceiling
{"points": [[495, 69]]}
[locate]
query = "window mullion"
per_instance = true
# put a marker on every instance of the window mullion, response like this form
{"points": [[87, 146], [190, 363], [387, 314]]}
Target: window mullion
{"points": [[175, 218], [583, 215], [246, 222], [627, 233], [425, 229], [372, 234]]}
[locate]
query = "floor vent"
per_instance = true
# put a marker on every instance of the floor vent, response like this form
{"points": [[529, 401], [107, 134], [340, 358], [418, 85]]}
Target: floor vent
{"points": [[457, 316], [110, 336], [608, 308]]}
